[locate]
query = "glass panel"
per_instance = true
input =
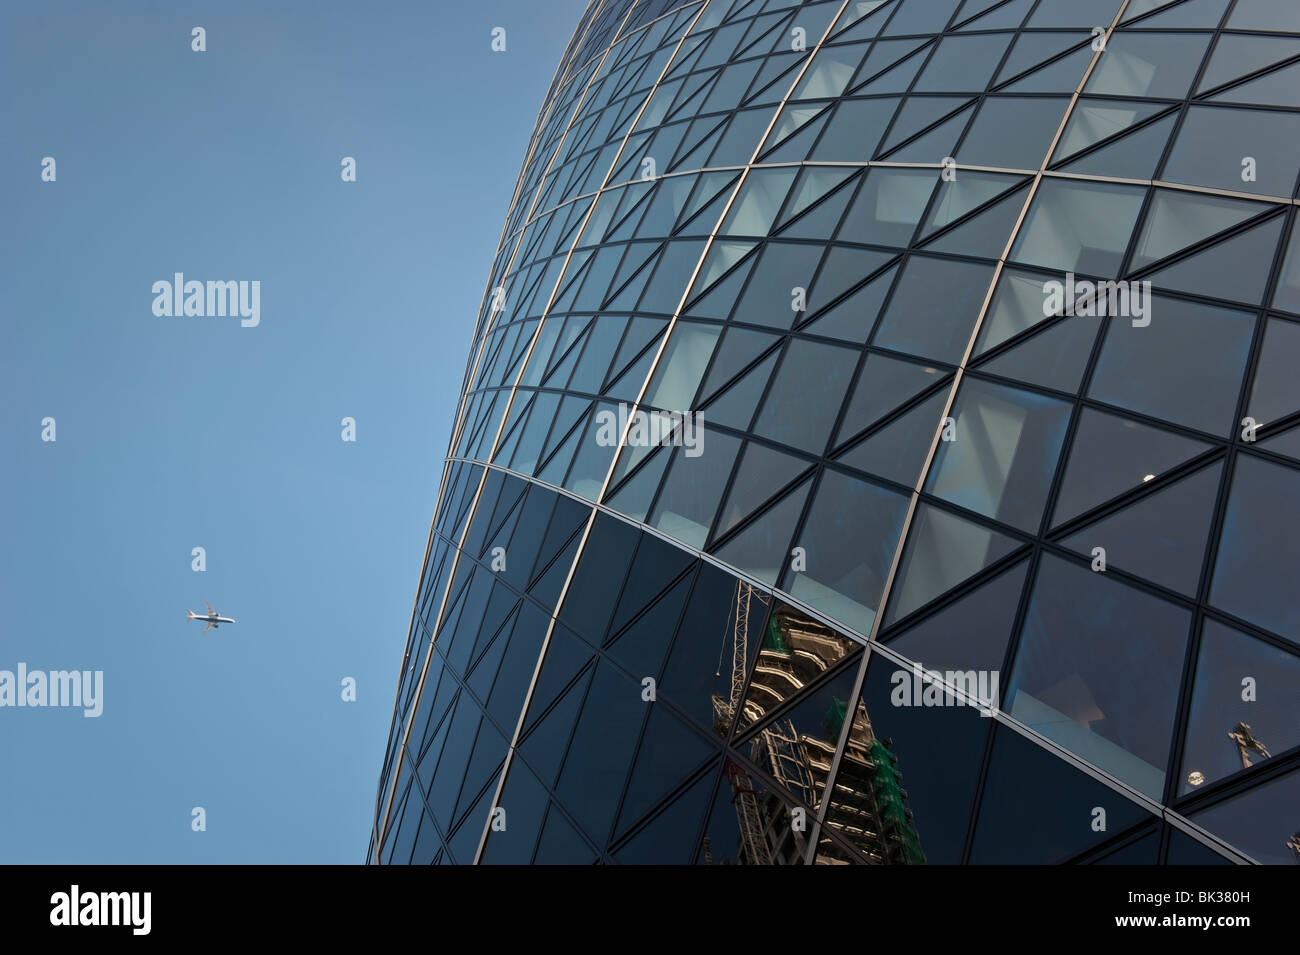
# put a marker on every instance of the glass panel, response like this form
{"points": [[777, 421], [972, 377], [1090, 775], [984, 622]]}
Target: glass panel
{"points": [[970, 633], [1215, 143], [1003, 453], [671, 838], [1053, 824], [942, 551], [1260, 547], [1154, 65], [1111, 455], [888, 207], [682, 366], [1162, 537], [1177, 220], [1012, 132], [1288, 284], [598, 757], [804, 398], [1091, 121], [761, 550], [1072, 680], [1078, 227], [763, 471], [693, 678], [1260, 822], [770, 296], [898, 450], [760, 199], [524, 801], [1276, 392], [962, 63], [693, 491], [849, 539], [599, 577], [934, 308], [1245, 708], [884, 384], [1185, 365], [1052, 358], [1265, 15]]}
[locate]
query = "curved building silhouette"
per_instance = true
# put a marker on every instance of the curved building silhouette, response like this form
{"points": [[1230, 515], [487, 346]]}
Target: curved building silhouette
{"points": [[879, 443]]}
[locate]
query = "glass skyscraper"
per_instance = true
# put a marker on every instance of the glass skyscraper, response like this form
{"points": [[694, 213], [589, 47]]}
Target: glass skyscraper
{"points": [[880, 443]]}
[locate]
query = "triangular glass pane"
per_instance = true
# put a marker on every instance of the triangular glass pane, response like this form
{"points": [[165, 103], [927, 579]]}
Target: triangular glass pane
{"points": [[1276, 391], [1017, 305], [633, 498], [543, 747], [1236, 269], [1034, 49], [963, 63], [970, 633], [821, 221], [763, 471], [795, 148], [1177, 220], [854, 318], [1005, 16], [917, 113], [934, 307], [1260, 822], [897, 451], [641, 648], [814, 185], [1061, 76], [1205, 14], [942, 551], [1226, 733], [1112, 455], [886, 53], [738, 348], [795, 650], [937, 142], [1234, 56], [1013, 830], [1091, 121], [1131, 157], [1161, 537], [1279, 88], [884, 384], [1069, 683], [670, 838], [736, 407], [897, 79], [1053, 358], [965, 194], [987, 233], [888, 207], [761, 549]]}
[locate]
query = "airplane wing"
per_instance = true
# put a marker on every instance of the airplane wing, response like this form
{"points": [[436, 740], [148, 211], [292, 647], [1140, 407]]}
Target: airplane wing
{"points": [[207, 628], [211, 612]]}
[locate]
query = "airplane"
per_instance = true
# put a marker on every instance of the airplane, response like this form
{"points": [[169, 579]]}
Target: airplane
{"points": [[211, 619]]}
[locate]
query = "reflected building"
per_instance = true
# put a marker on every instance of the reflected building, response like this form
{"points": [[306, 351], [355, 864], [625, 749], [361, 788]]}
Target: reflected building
{"points": [[841, 356]]}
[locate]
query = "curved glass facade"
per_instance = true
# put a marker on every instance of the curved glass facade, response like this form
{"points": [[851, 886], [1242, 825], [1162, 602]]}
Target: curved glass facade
{"points": [[869, 389]]}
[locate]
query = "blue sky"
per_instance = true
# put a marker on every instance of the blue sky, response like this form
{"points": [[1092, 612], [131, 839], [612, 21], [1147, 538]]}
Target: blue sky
{"points": [[174, 433]]}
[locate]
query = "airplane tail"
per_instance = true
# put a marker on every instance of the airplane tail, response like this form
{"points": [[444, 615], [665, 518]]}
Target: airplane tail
{"points": [[190, 615]]}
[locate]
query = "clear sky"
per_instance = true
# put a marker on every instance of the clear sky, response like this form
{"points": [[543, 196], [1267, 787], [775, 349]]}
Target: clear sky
{"points": [[174, 433]]}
